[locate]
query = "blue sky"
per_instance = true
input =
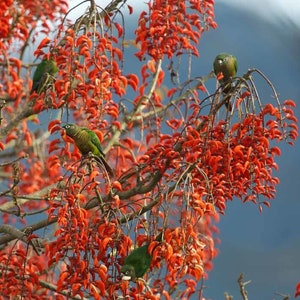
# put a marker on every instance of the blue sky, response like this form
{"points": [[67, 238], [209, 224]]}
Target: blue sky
{"points": [[269, 10]]}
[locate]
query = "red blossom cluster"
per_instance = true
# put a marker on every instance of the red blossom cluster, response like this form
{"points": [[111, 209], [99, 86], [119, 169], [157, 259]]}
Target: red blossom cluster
{"points": [[172, 27], [176, 163], [17, 25], [22, 273]]}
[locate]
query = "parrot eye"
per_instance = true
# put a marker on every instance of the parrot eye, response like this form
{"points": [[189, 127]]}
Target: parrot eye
{"points": [[67, 126]]}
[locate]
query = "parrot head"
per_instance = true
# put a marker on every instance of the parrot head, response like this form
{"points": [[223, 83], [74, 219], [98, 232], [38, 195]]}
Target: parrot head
{"points": [[71, 129], [128, 272], [227, 64]]}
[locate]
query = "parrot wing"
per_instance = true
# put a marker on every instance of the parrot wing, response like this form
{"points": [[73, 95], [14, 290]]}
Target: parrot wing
{"points": [[140, 260], [96, 142]]}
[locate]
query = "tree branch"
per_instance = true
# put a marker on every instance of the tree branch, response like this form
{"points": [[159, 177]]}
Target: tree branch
{"points": [[242, 285], [53, 288]]}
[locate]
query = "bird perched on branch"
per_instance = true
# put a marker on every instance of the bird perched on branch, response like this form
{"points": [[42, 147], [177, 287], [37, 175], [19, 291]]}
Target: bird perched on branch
{"points": [[41, 74], [87, 141], [138, 262], [227, 65]]}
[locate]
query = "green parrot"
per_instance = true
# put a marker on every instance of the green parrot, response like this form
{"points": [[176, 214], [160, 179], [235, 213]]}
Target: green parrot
{"points": [[87, 141], [43, 70], [138, 262], [227, 64]]}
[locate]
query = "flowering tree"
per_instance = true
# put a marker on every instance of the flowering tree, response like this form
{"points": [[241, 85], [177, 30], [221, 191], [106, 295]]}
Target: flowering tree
{"points": [[178, 152]]}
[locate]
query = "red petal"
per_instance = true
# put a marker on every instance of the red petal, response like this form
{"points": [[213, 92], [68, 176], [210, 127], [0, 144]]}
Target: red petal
{"points": [[52, 124], [289, 103], [297, 292]]}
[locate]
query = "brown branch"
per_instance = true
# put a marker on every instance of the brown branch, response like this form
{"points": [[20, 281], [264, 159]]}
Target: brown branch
{"points": [[111, 7], [26, 112], [138, 213], [53, 288], [17, 234], [142, 188], [242, 285], [22, 236], [227, 296], [10, 234], [284, 297], [22, 199]]}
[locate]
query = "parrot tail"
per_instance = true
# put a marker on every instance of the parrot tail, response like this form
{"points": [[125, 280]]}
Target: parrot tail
{"points": [[107, 167]]}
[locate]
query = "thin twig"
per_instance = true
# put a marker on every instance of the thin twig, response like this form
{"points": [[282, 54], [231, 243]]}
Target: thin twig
{"points": [[242, 285]]}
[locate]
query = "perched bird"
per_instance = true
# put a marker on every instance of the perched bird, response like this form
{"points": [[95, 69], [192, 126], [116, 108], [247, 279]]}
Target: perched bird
{"points": [[138, 262], [87, 141], [227, 65], [43, 70]]}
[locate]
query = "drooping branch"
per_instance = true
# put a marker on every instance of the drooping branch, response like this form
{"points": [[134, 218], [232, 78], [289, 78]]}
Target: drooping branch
{"points": [[134, 115]]}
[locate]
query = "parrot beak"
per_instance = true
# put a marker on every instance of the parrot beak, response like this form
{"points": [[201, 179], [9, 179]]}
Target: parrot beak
{"points": [[126, 277]]}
